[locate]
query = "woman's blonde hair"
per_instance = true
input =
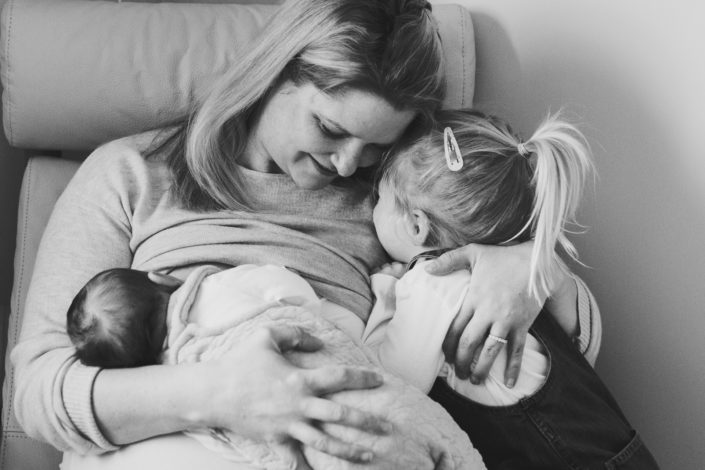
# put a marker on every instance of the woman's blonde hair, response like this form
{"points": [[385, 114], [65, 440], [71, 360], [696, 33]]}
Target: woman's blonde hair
{"points": [[390, 48], [506, 191]]}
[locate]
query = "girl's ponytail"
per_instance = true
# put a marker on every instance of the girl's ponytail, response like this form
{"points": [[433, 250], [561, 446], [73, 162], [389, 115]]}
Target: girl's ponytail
{"points": [[561, 160]]}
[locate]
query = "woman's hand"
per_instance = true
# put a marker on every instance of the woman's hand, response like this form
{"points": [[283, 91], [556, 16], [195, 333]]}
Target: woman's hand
{"points": [[497, 305], [264, 397]]}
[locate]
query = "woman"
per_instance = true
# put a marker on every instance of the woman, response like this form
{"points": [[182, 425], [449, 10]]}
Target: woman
{"points": [[261, 172]]}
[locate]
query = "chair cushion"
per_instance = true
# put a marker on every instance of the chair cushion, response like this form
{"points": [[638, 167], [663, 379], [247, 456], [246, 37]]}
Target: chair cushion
{"points": [[44, 180], [77, 73]]}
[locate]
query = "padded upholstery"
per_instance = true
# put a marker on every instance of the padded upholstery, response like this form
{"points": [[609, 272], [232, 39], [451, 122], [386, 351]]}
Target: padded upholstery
{"points": [[61, 93], [44, 180], [108, 69]]}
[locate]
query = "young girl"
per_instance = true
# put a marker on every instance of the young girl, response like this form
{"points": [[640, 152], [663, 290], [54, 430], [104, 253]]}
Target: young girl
{"points": [[472, 180]]}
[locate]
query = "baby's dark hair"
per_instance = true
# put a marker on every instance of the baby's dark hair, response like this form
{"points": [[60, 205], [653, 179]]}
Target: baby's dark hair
{"points": [[506, 190], [118, 319]]}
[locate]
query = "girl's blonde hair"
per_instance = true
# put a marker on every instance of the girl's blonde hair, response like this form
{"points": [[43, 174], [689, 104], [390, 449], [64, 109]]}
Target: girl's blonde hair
{"points": [[506, 191], [390, 48]]}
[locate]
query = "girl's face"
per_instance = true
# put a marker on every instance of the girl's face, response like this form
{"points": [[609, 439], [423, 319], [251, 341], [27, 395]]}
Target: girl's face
{"points": [[392, 227], [315, 137]]}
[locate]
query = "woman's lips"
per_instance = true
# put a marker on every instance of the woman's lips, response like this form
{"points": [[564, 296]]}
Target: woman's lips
{"points": [[322, 169]]}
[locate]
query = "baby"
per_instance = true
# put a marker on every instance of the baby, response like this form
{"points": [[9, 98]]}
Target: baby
{"points": [[129, 318]]}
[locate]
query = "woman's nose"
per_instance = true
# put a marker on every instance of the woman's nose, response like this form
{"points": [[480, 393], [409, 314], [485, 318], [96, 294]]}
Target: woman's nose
{"points": [[347, 159]]}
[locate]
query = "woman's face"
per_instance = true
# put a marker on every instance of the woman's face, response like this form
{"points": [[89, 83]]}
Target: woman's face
{"points": [[315, 137]]}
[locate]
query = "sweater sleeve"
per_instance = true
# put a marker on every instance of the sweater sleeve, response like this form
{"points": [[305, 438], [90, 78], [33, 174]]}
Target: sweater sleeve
{"points": [[589, 335], [88, 231], [383, 289]]}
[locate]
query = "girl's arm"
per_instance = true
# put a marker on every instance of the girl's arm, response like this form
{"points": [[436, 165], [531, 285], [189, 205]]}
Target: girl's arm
{"points": [[86, 409]]}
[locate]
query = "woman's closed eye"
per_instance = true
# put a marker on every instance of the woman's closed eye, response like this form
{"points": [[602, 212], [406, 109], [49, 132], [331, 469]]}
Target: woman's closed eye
{"points": [[328, 132], [371, 154]]}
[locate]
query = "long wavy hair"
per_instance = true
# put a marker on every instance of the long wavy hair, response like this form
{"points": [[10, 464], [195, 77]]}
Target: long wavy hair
{"points": [[390, 48], [506, 191]]}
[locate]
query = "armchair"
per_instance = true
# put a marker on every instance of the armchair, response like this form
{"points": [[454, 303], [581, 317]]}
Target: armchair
{"points": [[79, 73]]}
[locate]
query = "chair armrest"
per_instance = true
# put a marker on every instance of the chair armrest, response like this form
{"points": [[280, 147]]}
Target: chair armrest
{"points": [[44, 180]]}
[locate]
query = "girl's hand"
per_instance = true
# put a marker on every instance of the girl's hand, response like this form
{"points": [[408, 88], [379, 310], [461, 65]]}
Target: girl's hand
{"points": [[497, 303], [394, 269], [261, 395]]}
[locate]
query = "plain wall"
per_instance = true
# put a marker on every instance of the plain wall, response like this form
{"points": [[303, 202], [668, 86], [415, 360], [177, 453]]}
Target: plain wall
{"points": [[633, 72]]}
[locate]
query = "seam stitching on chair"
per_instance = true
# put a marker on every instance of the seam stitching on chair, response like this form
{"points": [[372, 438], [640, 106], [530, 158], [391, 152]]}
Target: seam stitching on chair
{"points": [[10, 114], [18, 300], [462, 49]]}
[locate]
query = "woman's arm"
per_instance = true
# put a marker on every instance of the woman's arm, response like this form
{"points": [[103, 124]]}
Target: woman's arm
{"points": [[253, 391], [87, 233], [576, 310], [498, 303], [84, 409], [563, 304]]}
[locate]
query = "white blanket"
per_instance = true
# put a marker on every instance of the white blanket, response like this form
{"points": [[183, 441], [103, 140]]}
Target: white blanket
{"points": [[424, 436]]}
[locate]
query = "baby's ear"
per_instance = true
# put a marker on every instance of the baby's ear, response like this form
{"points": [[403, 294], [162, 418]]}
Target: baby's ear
{"points": [[418, 227], [170, 282]]}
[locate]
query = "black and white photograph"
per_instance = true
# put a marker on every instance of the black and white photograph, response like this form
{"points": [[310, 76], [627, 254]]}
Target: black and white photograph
{"points": [[352, 234]]}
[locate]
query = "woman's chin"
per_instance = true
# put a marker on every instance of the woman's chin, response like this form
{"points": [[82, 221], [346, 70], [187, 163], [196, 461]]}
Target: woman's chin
{"points": [[313, 183]]}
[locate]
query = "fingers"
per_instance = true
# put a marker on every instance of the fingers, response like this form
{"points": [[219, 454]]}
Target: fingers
{"points": [[515, 354], [325, 380], [494, 343], [450, 261], [469, 348], [329, 411], [456, 329], [287, 338], [308, 435]]}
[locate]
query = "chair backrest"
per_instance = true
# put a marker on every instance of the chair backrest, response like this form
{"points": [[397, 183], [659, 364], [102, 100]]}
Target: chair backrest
{"points": [[60, 93]]}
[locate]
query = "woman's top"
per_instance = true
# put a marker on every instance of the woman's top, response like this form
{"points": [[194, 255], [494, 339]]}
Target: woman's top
{"points": [[118, 211]]}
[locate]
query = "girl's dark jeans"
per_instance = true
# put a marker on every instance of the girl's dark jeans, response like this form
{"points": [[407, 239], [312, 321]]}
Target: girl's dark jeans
{"points": [[572, 422]]}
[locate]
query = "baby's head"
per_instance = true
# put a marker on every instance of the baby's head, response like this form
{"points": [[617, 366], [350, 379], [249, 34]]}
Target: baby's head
{"points": [[118, 319], [496, 189]]}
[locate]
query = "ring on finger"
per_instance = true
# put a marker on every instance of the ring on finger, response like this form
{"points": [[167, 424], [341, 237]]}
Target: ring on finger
{"points": [[497, 339]]}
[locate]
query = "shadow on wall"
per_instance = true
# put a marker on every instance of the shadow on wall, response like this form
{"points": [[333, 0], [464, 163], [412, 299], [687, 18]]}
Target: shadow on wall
{"points": [[645, 235], [498, 69], [645, 248]]}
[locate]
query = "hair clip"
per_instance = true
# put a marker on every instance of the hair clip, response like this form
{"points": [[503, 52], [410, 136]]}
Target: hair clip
{"points": [[454, 159]]}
